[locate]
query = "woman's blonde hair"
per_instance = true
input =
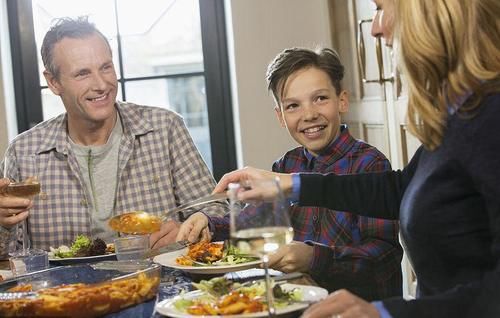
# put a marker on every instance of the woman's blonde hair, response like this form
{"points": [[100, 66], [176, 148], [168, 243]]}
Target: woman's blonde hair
{"points": [[447, 48]]}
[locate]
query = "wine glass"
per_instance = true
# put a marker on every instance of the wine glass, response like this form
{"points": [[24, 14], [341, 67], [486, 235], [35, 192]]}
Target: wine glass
{"points": [[260, 227], [27, 188], [26, 259]]}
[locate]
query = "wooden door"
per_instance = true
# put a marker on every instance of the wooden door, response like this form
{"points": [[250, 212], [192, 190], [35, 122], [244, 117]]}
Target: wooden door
{"points": [[377, 94], [377, 97]]}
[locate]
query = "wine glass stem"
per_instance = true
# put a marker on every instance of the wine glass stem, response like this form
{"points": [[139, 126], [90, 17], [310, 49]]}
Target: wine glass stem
{"points": [[26, 239], [269, 291]]}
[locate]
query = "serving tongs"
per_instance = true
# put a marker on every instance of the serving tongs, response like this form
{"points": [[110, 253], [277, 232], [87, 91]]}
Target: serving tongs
{"points": [[206, 199], [140, 222]]}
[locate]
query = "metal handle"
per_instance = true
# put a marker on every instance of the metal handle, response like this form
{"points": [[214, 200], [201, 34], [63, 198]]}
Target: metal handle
{"points": [[207, 199], [361, 50]]}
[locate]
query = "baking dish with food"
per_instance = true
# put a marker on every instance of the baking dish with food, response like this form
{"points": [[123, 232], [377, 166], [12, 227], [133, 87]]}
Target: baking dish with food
{"points": [[78, 291]]}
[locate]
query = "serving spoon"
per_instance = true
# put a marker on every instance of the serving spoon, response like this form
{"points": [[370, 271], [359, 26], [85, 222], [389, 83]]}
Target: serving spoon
{"points": [[140, 222]]}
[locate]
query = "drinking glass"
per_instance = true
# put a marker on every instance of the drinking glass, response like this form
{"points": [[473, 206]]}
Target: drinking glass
{"points": [[260, 227], [26, 259], [131, 247]]}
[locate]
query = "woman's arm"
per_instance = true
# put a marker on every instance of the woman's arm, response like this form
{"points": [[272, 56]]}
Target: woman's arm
{"points": [[370, 194]]}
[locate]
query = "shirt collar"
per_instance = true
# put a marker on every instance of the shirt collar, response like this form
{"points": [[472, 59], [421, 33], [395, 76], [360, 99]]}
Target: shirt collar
{"points": [[133, 122], [460, 100], [452, 108], [335, 150]]}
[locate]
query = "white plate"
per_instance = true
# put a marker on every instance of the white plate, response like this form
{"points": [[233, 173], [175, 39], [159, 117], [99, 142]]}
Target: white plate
{"points": [[79, 260], [309, 294], [168, 259]]}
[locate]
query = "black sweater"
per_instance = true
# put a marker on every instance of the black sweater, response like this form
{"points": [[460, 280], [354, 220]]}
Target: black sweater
{"points": [[448, 204]]}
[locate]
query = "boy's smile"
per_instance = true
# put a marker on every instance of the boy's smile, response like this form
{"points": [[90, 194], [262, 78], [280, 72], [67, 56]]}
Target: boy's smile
{"points": [[310, 108]]}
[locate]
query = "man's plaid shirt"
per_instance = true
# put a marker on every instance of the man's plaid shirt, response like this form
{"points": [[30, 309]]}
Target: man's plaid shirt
{"points": [[159, 168], [354, 252]]}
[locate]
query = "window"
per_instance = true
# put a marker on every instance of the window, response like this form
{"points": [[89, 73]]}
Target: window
{"points": [[167, 53]]}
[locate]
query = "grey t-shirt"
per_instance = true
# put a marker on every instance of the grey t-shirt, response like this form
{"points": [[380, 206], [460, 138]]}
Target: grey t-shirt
{"points": [[99, 167]]}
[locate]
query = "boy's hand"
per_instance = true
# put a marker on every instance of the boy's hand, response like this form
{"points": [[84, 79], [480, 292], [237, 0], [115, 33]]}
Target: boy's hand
{"points": [[195, 228], [249, 178], [12, 209], [293, 257]]}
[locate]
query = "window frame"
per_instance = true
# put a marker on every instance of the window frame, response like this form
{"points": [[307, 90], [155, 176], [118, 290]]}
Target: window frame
{"points": [[216, 72]]}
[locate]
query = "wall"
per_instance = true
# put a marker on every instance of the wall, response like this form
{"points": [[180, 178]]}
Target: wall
{"points": [[258, 30], [3, 121], [7, 113]]}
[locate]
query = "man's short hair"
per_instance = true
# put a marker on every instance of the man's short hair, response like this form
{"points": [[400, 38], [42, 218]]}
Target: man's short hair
{"points": [[294, 59], [75, 28]]}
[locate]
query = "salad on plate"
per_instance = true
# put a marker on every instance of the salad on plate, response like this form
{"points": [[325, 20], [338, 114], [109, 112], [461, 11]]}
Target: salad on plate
{"points": [[220, 296], [82, 246]]}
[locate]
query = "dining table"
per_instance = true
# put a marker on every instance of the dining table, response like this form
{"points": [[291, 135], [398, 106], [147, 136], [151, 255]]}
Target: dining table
{"points": [[174, 282]]}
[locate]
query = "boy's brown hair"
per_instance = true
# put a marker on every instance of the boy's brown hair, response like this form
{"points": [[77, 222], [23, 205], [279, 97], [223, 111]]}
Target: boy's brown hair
{"points": [[294, 59]]}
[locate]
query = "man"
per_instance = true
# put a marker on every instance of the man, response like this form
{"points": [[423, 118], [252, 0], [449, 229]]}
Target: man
{"points": [[339, 249], [101, 157]]}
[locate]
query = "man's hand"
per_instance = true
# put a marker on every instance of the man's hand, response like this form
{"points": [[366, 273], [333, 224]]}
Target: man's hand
{"points": [[342, 303], [250, 177], [293, 257], [195, 228], [12, 209], [166, 235]]}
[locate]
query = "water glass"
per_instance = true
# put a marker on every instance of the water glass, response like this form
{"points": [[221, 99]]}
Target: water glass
{"points": [[32, 260], [131, 247]]}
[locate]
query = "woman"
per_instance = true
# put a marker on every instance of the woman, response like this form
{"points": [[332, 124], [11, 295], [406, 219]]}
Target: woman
{"points": [[448, 198]]}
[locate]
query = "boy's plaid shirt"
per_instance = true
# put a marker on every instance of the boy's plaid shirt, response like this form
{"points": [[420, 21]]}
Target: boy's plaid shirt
{"points": [[159, 168], [354, 252]]}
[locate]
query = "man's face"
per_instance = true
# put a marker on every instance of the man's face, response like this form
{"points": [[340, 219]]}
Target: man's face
{"points": [[87, 82], [310, 109]]}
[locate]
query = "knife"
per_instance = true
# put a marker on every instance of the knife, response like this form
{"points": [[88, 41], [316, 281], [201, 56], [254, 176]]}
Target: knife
{"points": [[134, 265], [166, 249]]}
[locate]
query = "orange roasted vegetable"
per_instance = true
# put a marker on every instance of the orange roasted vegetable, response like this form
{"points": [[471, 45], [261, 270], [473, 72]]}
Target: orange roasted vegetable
{"points": [[204, 252], [231, 304]]}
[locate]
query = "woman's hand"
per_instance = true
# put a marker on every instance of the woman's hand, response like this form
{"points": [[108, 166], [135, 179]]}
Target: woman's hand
{"points": [[343, 304], [249, 178]]}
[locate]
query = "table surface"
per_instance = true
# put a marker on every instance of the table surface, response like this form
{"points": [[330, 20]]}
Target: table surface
{"points": [[172, 283]]}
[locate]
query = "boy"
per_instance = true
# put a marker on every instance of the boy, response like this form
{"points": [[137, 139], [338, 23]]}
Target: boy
{"points": [[338, 249]]}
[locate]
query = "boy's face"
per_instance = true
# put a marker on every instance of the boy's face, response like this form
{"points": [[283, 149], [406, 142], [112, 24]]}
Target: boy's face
{"points": [[310, 108]]}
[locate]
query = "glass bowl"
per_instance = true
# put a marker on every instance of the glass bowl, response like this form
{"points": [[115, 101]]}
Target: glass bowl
{"points": [[78, 291]]}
